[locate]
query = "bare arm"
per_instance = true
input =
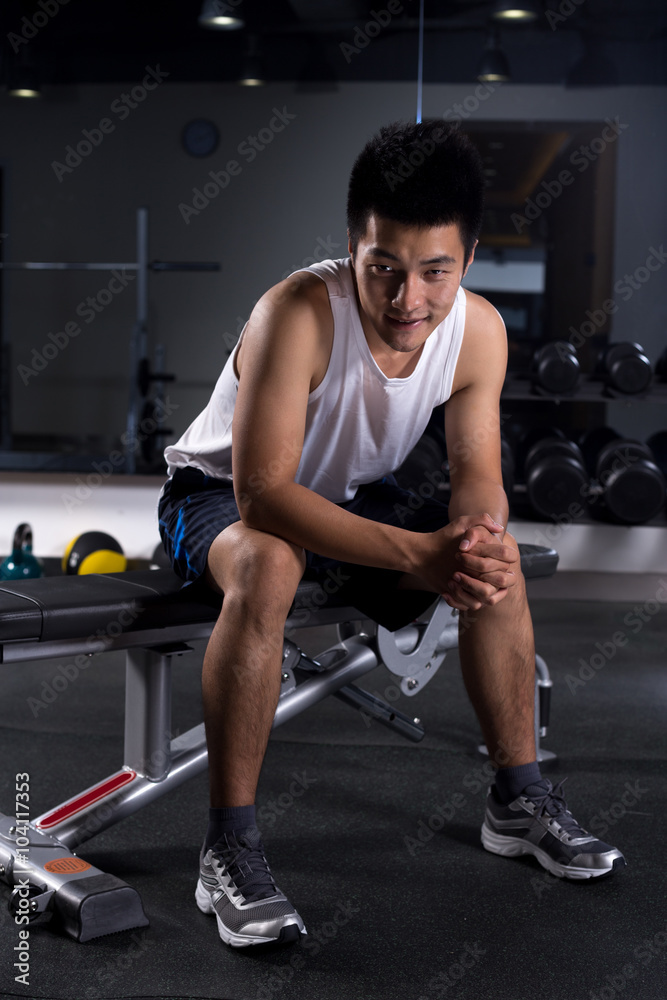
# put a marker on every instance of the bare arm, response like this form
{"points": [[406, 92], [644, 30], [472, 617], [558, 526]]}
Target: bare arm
{"points": [[283, 357], [472, 427], [285, 353]]}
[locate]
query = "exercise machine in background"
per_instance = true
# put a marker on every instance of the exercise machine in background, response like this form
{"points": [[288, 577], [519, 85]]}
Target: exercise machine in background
{"points": [[139, 406]]}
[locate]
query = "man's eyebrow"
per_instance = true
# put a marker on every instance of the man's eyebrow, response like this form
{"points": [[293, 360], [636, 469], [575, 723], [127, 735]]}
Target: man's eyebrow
{"points": [[379, 252]]}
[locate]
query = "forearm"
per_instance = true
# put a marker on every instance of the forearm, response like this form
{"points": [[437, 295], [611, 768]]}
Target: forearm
{"points": [[304, 518], [480, 496]]}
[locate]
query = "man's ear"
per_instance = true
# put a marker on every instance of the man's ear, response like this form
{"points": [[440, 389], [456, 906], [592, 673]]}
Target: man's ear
{"points": [[349, 244], [472, 257]]}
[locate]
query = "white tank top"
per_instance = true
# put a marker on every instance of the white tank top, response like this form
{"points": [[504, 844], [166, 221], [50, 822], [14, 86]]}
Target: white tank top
{"points": [[360, 424]]}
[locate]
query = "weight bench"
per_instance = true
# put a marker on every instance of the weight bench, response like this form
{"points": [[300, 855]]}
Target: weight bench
{"points": [[150, 615]]}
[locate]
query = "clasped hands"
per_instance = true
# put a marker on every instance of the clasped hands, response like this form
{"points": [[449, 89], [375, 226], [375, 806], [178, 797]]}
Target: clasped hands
{"points": [[479, 568]]}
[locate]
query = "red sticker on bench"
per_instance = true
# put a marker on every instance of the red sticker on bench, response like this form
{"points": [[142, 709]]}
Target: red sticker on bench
{"points": [[100, 791], [67, 866]]}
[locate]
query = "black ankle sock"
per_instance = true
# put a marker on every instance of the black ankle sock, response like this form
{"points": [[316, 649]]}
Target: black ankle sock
{"points": [[228, 818], [511, 781]]}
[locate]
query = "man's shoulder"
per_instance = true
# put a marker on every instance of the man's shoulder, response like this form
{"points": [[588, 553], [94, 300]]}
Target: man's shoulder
{"points": [[481, 314], [300, 293], [292, 316], [483, 355]]}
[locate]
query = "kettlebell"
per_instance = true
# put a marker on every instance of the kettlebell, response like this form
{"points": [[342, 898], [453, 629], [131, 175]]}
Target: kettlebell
{"points": [[21, 564]]}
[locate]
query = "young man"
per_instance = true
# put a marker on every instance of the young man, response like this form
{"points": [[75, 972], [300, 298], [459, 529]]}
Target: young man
{"points": [[330, 387]]}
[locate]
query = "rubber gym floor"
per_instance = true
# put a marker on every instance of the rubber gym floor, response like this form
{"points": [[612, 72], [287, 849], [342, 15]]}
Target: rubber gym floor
{"points": [[377, 843]]}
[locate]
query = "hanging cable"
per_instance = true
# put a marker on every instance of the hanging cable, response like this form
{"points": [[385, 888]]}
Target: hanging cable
{"points": [[420, 61]]}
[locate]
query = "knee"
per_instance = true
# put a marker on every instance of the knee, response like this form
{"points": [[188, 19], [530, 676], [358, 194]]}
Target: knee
{"points": [[520, 586], [256, 568]]}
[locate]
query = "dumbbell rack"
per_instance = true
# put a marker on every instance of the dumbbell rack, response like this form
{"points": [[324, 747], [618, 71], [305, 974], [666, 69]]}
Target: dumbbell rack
{"points": [[139, 335], [589, 391]]}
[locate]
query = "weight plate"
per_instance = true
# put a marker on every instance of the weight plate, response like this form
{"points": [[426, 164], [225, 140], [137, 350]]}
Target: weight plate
{"points": [[556, 486], [553, 446], [630, 374], [623, 453], [636, 495]]}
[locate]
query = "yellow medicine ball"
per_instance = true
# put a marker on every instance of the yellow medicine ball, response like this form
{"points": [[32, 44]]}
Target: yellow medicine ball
{"points": [[94, 552]]}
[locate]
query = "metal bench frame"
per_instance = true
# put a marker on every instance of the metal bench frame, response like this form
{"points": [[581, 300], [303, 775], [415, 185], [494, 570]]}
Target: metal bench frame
{"points": [[38, 859]]}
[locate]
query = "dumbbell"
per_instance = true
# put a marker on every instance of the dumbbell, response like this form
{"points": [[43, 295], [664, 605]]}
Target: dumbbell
{"points": [[624, 368], [555, 369], [556, 478], [633, 487]]}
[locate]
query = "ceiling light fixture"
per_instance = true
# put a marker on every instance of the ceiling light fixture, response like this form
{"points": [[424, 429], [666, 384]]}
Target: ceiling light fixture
{"points": [[493, 66], [511, 10], [23, 82], [219, 15], [252, 75]]}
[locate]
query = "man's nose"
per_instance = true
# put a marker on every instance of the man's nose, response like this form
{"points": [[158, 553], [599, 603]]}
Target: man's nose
{"points": [[408, 296]]}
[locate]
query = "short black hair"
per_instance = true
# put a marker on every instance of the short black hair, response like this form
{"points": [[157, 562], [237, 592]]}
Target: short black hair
{"points": [[424, 174]]}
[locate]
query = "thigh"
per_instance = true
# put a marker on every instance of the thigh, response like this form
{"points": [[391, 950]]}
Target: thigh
{"points": [[193, 510]]}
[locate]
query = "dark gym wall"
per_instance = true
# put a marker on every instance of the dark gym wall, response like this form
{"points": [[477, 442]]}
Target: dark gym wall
{"points": [[282, 208]]}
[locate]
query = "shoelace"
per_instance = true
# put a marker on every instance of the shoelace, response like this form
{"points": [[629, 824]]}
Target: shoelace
{"points": [[552, 804], [247, 866]]}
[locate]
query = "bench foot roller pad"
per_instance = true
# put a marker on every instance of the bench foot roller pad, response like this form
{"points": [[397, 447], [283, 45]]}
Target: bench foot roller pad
{"points": [[91, 907]]}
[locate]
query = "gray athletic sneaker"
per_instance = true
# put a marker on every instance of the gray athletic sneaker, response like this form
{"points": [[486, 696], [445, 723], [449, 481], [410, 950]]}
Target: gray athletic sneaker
{"points": [[236, 884], [539, 823]]}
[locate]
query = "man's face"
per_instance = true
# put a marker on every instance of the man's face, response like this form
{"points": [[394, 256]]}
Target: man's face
{"points": [[407, 280]]}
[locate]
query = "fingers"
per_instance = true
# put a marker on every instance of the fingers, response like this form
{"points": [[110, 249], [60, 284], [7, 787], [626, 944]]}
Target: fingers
{"points": [[487, 559], [468, 523], [478, 535], [463, 601], [470, 593]]}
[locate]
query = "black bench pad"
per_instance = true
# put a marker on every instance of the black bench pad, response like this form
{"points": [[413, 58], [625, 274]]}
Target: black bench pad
{"points": [[74, 607]]}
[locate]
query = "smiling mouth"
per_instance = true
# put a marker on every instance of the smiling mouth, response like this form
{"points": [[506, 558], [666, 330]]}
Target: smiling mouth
{"points": [[406, 324]]}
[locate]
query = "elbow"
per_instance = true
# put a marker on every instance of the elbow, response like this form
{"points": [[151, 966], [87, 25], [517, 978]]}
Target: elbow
{"points": [[249, 509]]}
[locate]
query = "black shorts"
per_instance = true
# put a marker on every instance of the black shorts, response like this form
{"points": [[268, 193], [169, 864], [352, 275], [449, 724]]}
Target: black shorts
{"points": [[195, 508]]}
